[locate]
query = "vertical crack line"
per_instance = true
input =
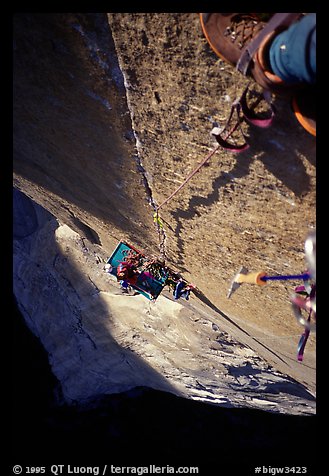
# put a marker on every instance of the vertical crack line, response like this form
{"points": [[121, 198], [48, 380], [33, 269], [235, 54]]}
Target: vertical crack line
{"points": [[138, 156]]}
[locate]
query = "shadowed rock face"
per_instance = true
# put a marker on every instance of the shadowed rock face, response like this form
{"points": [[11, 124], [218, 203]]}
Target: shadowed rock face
{"points": [[25, 218], [74, 146], [142, 424], [111, 113], [100, 341]]}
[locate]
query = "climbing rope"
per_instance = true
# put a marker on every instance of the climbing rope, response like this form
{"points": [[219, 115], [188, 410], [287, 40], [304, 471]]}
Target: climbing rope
{"points": [[162, 235], [242, 111], [191, 175], [156, 218]]}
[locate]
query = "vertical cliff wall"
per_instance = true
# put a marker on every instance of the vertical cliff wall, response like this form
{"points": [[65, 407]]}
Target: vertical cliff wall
{"points": [[112, 111]]}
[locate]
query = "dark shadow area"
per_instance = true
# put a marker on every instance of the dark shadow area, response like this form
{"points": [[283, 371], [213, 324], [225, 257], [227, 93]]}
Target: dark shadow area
{"points": [[40, 418], [72, 128], [25, 217], [200, 295], [142, 426], [291, 387], [67, 289], [279, 148], [86, 231]]}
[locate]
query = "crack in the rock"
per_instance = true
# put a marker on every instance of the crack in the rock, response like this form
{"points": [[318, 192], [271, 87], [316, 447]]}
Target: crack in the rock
{"points": [[138, 159]]}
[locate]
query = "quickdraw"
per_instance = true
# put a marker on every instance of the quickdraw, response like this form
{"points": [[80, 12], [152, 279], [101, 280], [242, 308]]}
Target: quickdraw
{"points": [[249, 112], [303, 301], [244, 112]]}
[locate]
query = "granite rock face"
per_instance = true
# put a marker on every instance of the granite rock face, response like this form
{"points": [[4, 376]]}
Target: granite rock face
{"points": [[111, 112], [101, 341]]}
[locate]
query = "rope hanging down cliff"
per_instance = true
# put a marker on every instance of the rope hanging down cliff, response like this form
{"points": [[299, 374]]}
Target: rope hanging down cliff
{"points": [[242, 111], [156, 216]]}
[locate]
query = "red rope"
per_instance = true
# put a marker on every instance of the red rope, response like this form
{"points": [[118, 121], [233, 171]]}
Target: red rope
{"points": [[222, 141], [189, 177]]}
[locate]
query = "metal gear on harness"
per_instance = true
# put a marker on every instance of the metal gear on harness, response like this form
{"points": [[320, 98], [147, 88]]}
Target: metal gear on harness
{"points": [[244, 111]]}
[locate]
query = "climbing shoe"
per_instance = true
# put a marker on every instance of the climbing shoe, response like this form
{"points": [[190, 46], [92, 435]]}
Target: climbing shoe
{"points": [[243, 40], [228, 33]]}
